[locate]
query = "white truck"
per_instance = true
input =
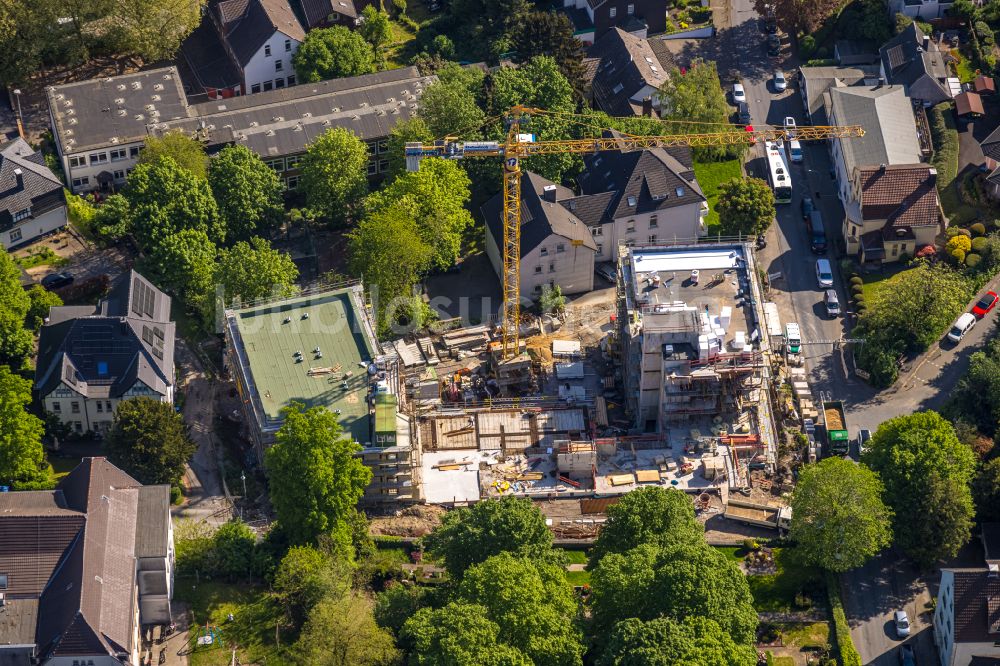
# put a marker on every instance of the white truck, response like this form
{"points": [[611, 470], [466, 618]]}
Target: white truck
{"points": [[762, 515]]}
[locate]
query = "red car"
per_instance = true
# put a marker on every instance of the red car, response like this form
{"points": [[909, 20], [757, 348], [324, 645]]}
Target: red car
{"points": [[985, 304]]}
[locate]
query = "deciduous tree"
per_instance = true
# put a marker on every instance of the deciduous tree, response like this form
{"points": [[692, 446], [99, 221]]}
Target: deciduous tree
{"points": [[695, 95], [376, 29], [315, 478], [153, 29], [334, 173], [331, 53], [342, 632], [186, 152], [450, 106], [647, 515], [183, 264], [149, 441], [550, 34], [471, 535], [41, 301], [926, 472], [458, 633], [251, 271], [22, 460], [414, 129], [666, 642], [798, 16], [247, 191], [398, 603], [15, 340], [986, 491], [839, 518], [306, 576], [977, 395], [745, 207], [234, 549], [166, 198]]}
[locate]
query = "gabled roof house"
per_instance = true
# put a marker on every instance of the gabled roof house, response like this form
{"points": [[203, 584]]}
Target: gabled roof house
{"points": [[31, 196]]}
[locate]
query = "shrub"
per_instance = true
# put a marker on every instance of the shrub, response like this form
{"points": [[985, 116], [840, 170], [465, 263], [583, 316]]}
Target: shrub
{"points": [[176, 496], [848, 653], [979, 244], [904, 257], [958, 255], [978, 229], [859, 297], [959, 242], [857, 280], [700, 14], [972, 260], [400, 6], [964, 232], [807, 46], [857, 288], [751, 544]]}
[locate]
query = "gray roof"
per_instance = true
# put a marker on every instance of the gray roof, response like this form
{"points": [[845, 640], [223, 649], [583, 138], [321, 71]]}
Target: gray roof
{"points": [[317, 11], [127, 337], [37, 182], [818, 80], [856, 51], [104, 112], [284, 122], [540, 218], [248, 24], [905, 60], [627, 64], [207, 59], [642, 181], [886, 114], [991, 145], [152, 521], [18, 619]]}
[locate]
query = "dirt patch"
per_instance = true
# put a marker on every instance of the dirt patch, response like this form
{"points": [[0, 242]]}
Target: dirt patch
{"points": [[414, 521]]}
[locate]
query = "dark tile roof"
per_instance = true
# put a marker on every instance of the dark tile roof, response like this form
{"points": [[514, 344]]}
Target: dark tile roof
{"points": [[905, 60], [984, 661], [991, 540], [540, 219], [903, 195], [856, 51], [248, 24], [207, 60], [128, 337], [284, 122], [104, 112], [316, 12], [579, 18], [627, 65], [976, 606], [37, 182], [642, 181], [991, 145]]}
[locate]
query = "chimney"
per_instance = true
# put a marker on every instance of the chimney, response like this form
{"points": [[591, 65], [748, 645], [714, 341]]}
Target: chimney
{"points": [[549, 193], [19, 175], [927, 43], [882, 167], [931, 176], [647, 107], [881, 82]]}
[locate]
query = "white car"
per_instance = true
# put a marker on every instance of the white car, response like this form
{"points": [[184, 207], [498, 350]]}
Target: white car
{"points": [[790, 126], [962, 325], [739, 94], [902, 623], [779, 82], [824, 274]]}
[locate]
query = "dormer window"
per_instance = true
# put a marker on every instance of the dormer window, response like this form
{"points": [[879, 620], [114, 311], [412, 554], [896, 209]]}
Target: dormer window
{"points": [[22, 214], [631, 201]]}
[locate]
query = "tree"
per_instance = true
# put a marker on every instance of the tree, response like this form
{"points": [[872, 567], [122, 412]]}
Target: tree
{"points": [[413, 129], [840, 520], [186, 152], [798, 16], [251, 271], [677, 581], [41, 301], [469, 536], [647, 515], [234, 548], [484, 20], [865, 19], [247, 191], [450, 107], [184, 265], [695, 95], [545, 33], [306, 576], [166, 198], [977, 395], [901, 22], [986, 490], [335, 173], [458, 633], [531, 602], [332, 53], [437, 195], [926, 472], [149, 441], [745, 207], [22, 460], [16, 342], [387, 251], [551, 299], [112, 220], [154, 29], [376, 29], [342, 632], [398, 603], [667, 642], [315, 478]]}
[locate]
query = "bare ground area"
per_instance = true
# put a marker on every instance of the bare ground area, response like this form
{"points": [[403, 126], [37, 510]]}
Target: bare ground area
{"points": [[414, 521]]}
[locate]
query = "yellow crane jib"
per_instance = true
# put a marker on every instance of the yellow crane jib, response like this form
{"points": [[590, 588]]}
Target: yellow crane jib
{"points": [[518, 144]]}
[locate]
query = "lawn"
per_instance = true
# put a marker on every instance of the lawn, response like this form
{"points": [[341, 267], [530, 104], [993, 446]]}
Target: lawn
{"points": [[576, 578], [252, 630], [733, 553], [395, 554], [779, 661], [43, 256], [776, 593], [575, 556], [874, 282], [807, 636], [402, 47], [966, 72], [62, 466], [710, 175]]}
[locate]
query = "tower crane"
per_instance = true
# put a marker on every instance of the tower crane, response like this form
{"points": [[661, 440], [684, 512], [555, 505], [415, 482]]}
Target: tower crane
{"points": [[518, 145]]}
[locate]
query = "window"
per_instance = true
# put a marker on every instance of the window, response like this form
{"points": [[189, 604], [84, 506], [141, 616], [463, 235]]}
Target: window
{"points": [[75, 407], [119, 174], [3, 581], [133, 151], [630, 243], [255, 88], [57, 407], [631, 10], [600, 249], [118, 154], [268, 85], [854, 230], [613, 12], [292, 182], [100, 407], [277, 165], [98, 158], [653, 222], [630, 226], [631, 201], [651, 239], [561, 247], [15, 235], [291, 80], [293, 162], [544, 251], [538, 269], [383, 166], [372, 168], [383, 146], [279, 83], [267, 50], [78, 426], [902, 248], [79, 182], [597, 231], [895, 250], [288, 45], [22, 214], [107, 406], [552, 267], [78, 161], [278, 65]]}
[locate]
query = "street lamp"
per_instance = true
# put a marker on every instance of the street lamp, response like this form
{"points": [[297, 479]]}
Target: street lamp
{"points": [[20, 120]]}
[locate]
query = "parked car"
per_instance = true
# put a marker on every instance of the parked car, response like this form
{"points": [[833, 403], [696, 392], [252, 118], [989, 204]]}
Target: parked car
{"points": [[743, 113], [739, 94], [773, 45], [57, 280], [795, 150], [817, 233], [985, 304], [906, 656], [863, 436], [962, 325], [779, 82], [606, 271], [902, 623], [807, 207], [832, 303], [824, 274], [790, 126]]}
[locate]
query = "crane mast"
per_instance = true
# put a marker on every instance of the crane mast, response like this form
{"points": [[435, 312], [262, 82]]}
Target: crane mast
{"points": [[518, 145]]}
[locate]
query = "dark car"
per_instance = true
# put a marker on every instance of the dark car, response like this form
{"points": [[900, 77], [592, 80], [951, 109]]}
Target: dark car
{"points": [[743, 113], [817, 234], [807, 207], [906, 656], [773, 45], [57, 280]]}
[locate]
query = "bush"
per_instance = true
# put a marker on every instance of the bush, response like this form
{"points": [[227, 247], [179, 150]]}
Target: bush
{"points": [[979, 244], [176, 496], [859, 297], [861, 308], [972, 260], [857, 288], [751, 544], [963, 232], [400, 6], [857, 280], [958, 255], [978, 229], [848, 653], [959, 242], [700, 14], [807, 47]]}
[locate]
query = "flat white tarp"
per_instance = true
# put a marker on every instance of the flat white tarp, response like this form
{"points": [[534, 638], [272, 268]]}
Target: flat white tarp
{"points": [[569, 370], [681, 260], [565, 347]]}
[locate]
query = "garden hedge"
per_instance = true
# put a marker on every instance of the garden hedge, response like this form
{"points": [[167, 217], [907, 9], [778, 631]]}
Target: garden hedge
{"points": [[849, 655]]}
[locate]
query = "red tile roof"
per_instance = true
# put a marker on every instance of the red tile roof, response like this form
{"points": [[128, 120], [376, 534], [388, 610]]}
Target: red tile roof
{"points": [[984, 84], [903, 195], [969, 102]]}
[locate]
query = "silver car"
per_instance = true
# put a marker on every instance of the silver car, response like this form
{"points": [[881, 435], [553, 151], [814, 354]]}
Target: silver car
{"points": [[902, 623], [779, 82], [832, 303]]}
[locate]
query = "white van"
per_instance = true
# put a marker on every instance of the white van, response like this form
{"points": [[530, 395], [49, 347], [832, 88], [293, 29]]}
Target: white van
{"points": [[795, 150], [962, 326]]}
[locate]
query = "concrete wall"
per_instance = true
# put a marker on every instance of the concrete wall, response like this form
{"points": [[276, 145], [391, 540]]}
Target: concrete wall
{"points": [[28, 230], [262, 68]]}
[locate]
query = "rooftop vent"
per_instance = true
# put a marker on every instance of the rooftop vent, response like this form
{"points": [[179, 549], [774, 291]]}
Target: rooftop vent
{"points": [[137, 85], [138, 116], [167, 77], [119, 100], [253, 123], [121, 86], [73, 121], [277, 119], [156, 98], [631, 201], [307, 115], [157, 86], [149, 107], [305, 315]]}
